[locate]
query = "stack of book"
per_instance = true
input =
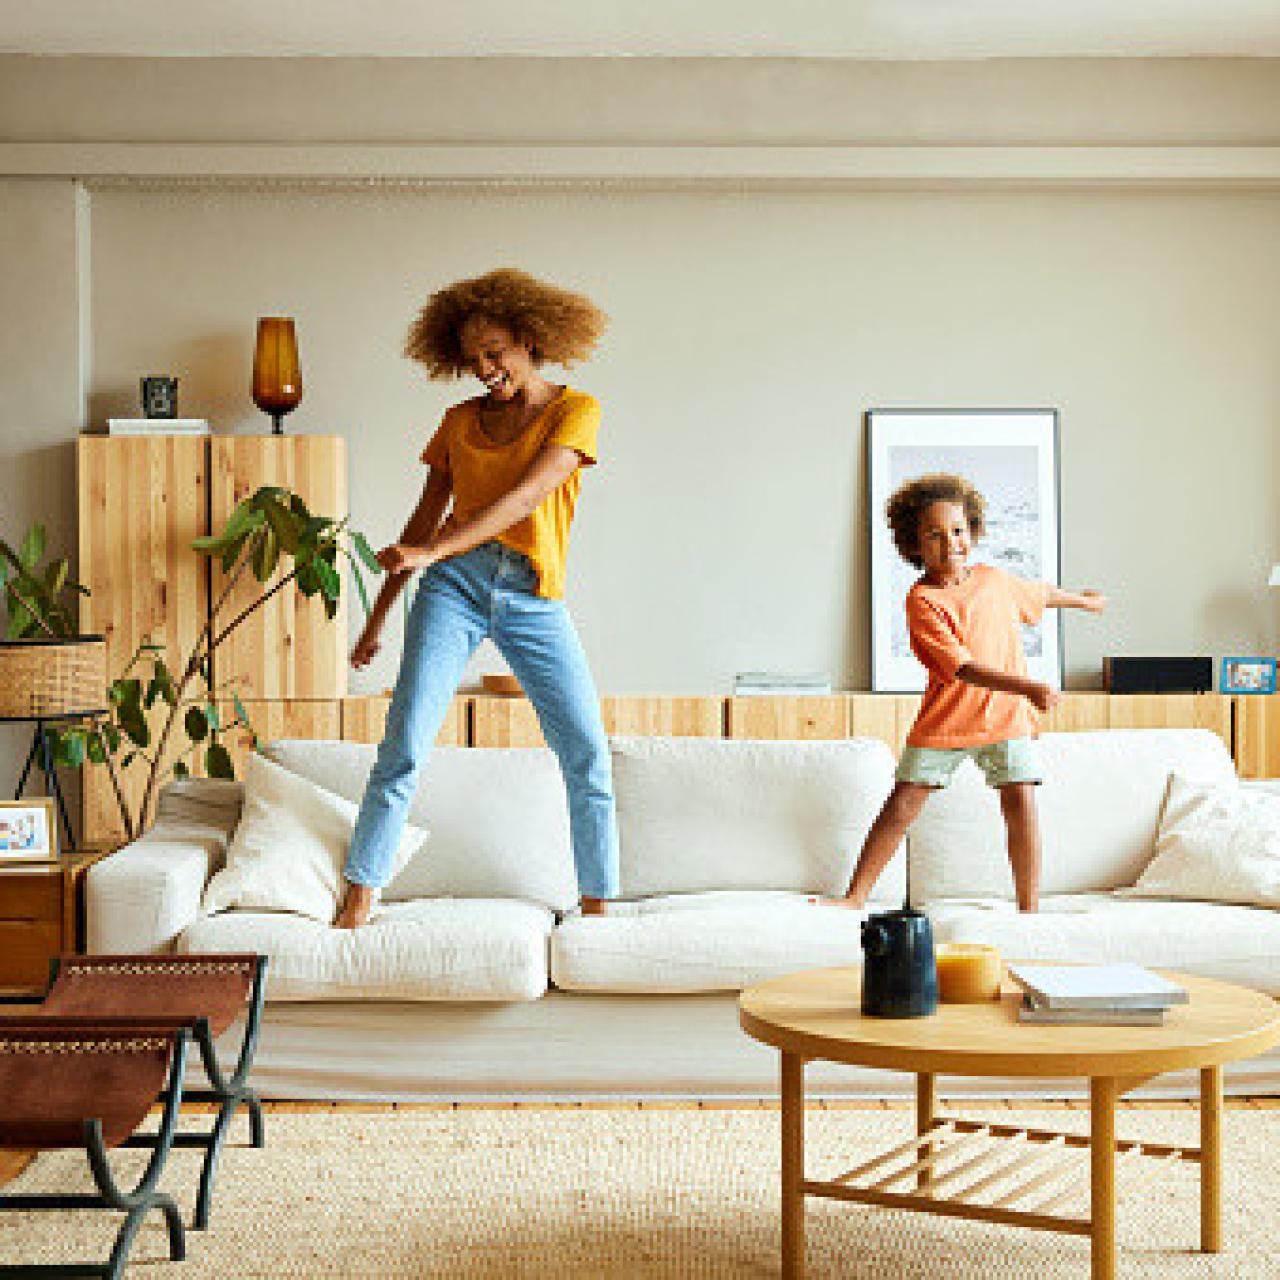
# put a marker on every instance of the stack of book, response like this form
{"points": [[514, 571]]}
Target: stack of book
{"points": [[749, 683], [1125, 995]]}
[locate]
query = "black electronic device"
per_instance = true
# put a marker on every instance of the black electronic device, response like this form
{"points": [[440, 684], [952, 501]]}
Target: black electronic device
{"points": [[1157, 675]]}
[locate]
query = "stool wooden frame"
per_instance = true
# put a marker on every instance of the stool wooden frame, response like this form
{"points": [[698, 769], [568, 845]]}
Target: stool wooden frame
{"points": [[992, 1172], [209, 990], [71, 1112]]}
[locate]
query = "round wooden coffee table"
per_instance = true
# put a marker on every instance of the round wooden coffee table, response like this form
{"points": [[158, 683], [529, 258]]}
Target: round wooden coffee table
{"points": [[992, 1172]]}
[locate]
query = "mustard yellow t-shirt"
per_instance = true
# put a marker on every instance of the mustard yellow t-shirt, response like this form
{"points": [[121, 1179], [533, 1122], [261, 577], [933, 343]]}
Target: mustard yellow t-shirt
{"points": [[482, 472]]}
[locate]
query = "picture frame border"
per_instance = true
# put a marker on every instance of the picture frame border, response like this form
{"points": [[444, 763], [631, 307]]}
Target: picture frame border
{"points": [[1269, 663], [9, 858], [882, 682]]}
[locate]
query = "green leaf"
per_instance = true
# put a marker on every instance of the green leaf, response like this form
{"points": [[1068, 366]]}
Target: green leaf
{"points": [[241, 714], [217, 760], [330, 608], [112, 734], [32, 550], [126, 693], [180, 769], [358, 579], [330, 582], [308, 579], [196, 725], [266, 555], [70, 749], [94, 747], [21, 621], [55, 576], [267, 493], [365, 551], [135, 726], [285, 525], [212, 715], [164, 683]]}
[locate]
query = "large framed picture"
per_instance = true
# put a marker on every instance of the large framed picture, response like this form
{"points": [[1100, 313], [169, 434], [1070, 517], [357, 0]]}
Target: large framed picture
{"points": [[1011, 455], [27, 832]]}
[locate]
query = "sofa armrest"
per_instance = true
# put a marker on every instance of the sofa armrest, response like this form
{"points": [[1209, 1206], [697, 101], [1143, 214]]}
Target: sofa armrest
{"points": [[142, 897]]}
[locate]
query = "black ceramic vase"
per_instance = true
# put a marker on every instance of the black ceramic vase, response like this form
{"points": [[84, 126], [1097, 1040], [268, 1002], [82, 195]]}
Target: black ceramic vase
{"points": [[899, 977]]}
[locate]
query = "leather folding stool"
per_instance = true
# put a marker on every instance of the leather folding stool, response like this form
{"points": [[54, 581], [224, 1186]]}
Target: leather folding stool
{"points": [[210, 990], [77, 1083]]}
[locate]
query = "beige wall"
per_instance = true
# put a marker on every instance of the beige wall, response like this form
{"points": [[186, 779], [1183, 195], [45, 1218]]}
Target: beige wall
{"points": [[750, 332]]}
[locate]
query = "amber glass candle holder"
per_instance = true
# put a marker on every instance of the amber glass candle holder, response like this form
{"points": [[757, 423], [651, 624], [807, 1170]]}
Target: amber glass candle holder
{"points": [[277, 376]]}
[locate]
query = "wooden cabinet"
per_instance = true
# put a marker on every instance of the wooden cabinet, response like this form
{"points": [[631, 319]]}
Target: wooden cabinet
{"points": [[41, 916], [142, 501]]}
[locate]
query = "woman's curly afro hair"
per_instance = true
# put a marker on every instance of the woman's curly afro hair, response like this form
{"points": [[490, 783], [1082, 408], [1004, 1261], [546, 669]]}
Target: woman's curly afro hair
{"points": [[905, 508], [556, 325]]}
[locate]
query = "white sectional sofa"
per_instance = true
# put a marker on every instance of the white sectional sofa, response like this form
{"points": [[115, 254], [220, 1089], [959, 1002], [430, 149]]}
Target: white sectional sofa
{"points": [[478, 977]]}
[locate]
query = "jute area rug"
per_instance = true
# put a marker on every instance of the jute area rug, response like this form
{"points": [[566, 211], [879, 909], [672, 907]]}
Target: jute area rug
{"points": [[630, 1192]]}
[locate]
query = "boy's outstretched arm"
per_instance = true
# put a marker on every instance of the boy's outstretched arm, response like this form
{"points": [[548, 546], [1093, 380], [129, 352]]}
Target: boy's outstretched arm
{"points": [[1091, 601], [1042, 696]]}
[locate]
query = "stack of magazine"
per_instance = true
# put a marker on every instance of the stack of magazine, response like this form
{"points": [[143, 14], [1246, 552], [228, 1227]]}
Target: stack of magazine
{"points": [[751, 683], [1125, 995]]}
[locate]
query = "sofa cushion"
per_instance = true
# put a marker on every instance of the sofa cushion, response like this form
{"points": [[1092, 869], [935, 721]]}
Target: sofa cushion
{"points": [[1232, 944], [1099, 811], [290, 845], [703, 942], [1216, 844], [439, 949], [498, 819], [698, 814]]}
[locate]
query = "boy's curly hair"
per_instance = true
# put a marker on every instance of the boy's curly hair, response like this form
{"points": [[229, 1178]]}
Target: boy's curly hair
{"points": [[904, 508], [557, 325]]}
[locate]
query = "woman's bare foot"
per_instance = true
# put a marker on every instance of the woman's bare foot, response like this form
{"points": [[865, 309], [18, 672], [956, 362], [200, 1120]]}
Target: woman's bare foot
{"points": [[592, 906], [355, 907]]}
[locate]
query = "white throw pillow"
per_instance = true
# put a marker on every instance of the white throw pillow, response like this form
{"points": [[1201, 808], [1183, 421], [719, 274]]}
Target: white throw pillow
{"points": [[289, 848], [1217, 843]]}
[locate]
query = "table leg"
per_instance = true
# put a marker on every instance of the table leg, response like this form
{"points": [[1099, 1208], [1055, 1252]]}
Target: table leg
{"points": [[1211, 1159], [1102, 1177], [792, 1166], [926, 1109]]}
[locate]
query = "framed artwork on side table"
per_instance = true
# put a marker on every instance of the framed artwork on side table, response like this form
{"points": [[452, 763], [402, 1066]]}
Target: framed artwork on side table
{"points": [[1011, 455], [27, 832], [1248, 675]]}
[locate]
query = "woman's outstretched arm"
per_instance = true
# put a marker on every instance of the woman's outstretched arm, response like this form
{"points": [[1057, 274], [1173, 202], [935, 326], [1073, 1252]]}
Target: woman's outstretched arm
{"points": [[546, 473], [420, 528]]}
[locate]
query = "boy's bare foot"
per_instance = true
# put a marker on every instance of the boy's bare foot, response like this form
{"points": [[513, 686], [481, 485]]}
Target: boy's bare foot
{"points": [[592, 906], [851, 904], [355, 907]]}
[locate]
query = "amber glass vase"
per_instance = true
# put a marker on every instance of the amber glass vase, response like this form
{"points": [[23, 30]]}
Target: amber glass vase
{"points": [[277, 376]]}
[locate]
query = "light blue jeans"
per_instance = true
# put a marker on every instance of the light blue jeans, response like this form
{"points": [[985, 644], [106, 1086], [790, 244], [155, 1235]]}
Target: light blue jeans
{"points": [[489, 592]]}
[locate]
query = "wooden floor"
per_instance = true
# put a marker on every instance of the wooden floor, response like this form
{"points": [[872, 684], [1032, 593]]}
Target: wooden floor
{"points": [[13, 1162]]}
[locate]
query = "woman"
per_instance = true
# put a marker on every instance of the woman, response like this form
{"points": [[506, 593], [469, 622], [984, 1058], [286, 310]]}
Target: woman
{"points": [[510, 463]]}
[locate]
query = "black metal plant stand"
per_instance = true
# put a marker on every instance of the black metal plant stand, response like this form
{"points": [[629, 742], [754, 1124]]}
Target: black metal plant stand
{"points": [[40, 750]]}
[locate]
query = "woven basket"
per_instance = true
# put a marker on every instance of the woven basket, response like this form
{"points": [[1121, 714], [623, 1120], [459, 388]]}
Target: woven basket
{"points": [[47, 679]]}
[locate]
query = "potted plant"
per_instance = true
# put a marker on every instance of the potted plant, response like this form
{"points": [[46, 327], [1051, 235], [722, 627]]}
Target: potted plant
{"points": [[271, 536]]}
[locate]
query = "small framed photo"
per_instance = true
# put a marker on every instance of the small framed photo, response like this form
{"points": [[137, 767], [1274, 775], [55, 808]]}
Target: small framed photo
{"points": [[1248, 675], [28, 832]]}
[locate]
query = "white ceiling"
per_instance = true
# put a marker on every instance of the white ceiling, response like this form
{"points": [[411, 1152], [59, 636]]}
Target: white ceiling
{"points": [[889, 29]]}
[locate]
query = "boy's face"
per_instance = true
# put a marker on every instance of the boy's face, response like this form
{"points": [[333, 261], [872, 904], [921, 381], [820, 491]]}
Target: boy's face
{"points": [[945, 541]]}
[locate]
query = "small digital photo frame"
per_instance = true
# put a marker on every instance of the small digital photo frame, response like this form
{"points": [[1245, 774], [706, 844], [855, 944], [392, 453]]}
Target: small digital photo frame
{"points": [[1248, 675]]}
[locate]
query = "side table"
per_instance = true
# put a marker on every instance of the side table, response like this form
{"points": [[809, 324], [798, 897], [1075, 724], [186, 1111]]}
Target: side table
{"points": [[41, 916]]}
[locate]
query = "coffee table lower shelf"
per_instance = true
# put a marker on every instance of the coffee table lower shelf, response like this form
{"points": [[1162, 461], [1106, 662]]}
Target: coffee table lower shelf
{"points": [[1005, 1173]]}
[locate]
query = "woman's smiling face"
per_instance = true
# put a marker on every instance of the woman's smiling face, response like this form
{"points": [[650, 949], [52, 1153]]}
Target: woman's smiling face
{"points": [[496, 356]]}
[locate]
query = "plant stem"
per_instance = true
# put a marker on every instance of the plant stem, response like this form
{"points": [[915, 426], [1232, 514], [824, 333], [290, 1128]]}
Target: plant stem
{"points": [[33, 611], [115, 778], [244, 613]]}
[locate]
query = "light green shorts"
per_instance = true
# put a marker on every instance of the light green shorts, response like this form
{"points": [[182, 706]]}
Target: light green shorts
{"points": [[1002, 763]]}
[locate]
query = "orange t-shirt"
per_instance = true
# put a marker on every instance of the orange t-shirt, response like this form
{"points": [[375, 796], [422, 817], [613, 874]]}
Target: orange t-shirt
{"points": [[481, 472], [976, 621]]}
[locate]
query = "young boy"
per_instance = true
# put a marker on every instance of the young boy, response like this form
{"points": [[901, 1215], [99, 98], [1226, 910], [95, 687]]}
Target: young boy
{"points": [[979, 702]]}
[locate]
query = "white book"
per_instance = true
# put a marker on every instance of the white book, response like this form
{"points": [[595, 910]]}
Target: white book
{"points": [[1093, 986], [158, 426], [1030, 1011], [778, 690]]}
